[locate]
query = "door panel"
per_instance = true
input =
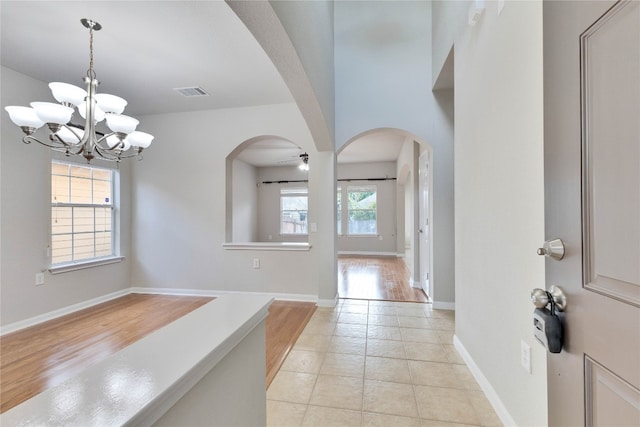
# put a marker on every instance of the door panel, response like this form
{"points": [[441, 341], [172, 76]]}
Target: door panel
{"points": [[611, 400], [592, 194], [611, 155]]}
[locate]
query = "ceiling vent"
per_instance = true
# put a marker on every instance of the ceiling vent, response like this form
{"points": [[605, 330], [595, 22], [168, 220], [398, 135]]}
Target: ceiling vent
{"points": [[190, 92]]}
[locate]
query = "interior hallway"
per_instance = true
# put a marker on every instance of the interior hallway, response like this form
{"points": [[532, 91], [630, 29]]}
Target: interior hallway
{"points": [[377, 363], [376, 278]]}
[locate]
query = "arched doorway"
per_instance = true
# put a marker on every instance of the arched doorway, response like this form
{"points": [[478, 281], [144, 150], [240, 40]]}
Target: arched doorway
{"points": [[262, 173], [384, 165]]}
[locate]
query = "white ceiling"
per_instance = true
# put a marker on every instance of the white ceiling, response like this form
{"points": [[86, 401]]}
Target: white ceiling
{"points": [[147, 48], [144, 50]]}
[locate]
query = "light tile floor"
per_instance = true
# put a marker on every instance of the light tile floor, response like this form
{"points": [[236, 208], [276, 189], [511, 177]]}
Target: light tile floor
{"points": [[377, 363]]}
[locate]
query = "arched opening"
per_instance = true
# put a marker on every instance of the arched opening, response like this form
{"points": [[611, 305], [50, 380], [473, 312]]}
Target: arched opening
{"points": [[266, 191], [394, 165]]}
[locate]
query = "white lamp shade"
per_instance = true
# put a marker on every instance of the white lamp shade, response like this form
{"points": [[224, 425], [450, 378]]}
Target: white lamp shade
{"points": [[24, 117], [98, 114], [140, 139], [69, 136], [121, 123], [111, 103], [127, 145], [49, 112], [112, 141], [64, 92]]}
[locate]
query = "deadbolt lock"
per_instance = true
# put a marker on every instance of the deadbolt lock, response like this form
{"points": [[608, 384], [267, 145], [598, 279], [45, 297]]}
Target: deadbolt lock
{"points": [[552, 248]]}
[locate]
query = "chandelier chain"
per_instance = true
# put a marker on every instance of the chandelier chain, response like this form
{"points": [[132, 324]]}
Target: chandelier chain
{"points": [[91, 73]]}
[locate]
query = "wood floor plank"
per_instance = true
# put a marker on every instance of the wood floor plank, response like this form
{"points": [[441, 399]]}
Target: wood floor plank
{"points": [[43, 356], [376, 278], [284, 325]]}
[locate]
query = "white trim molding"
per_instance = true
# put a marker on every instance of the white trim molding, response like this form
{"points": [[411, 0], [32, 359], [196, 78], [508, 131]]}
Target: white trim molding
{"points": [[444, 305], [80, 265], [485, 385], [365, 253], [330, 303], [16, 326], [268, 246]]}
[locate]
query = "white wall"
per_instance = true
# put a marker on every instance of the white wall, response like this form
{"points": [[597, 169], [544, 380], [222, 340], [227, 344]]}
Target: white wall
{"points": [[385, 240], [499, 200], [26, 218], [179, 205], [245, 202], [309, 25], [451, 21], [383, 80]]}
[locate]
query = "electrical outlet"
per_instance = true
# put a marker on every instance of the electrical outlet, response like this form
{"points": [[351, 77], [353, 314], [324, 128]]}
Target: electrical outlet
{"points": [[525, 356], [256, 263], [39, 279]]}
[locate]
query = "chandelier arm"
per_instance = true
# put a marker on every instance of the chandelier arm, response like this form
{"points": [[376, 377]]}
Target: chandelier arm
{"points": [[61, 147], [106, 155], [103, 139], [72, 130], [137, 153], [28, 139], [65, 147]]}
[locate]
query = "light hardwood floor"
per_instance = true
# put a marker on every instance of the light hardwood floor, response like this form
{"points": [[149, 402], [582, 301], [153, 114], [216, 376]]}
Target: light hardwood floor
{"points": [[376, 278], [37, 358]]}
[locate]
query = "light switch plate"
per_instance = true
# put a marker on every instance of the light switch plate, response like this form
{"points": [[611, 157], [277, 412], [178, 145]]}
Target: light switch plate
{"points": [[525, 356]]}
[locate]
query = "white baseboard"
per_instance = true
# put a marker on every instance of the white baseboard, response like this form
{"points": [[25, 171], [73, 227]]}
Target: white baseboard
{"points": [[444, 305], [217, 293], [485, 385], [365, 253], [12, 327], [330, 303]]}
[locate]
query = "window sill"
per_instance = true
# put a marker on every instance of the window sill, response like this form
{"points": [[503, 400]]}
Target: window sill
{"points": [[268, 246], [359, 235], [80, 265]]}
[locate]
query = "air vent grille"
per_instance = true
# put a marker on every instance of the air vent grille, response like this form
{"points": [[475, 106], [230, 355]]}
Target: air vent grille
{"points": [[190, 92]]}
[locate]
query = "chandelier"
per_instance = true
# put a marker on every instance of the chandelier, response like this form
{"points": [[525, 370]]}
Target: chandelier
{"points": [[122, 142]]}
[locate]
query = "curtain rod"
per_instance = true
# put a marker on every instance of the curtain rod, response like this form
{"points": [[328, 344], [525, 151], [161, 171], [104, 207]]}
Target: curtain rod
{"points": [[341, 179]]}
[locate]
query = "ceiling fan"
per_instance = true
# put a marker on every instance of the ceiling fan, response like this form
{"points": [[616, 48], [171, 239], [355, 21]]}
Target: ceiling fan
{"points": [[302, 159]]}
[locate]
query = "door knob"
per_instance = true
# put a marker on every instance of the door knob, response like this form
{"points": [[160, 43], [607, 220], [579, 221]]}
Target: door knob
{"points": [[552, 248], [540, 298]]}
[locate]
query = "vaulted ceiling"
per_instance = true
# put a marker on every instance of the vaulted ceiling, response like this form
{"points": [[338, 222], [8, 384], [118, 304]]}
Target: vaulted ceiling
{"points": [[146, 49]]}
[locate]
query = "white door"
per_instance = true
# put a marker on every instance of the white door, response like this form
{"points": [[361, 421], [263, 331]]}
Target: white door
{"points": [[425, 222], [592, 203]]}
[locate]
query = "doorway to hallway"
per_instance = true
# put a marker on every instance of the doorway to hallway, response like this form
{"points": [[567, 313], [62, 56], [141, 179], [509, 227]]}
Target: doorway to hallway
{"points": [[376, 278]]}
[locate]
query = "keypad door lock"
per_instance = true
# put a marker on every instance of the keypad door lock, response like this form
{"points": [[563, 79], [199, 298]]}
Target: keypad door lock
{"points": [[547, 325]]}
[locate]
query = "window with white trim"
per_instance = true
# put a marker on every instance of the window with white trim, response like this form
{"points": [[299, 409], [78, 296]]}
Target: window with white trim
{"points": [[362, 210], [82, 213], [293, 210]]}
